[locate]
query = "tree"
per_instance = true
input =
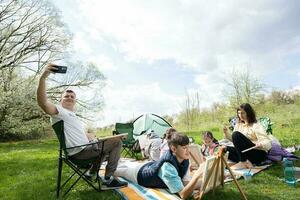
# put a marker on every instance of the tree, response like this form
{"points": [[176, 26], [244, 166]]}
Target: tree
{"points": [[32, 35], [243, 87], [20, 117], [191, 111]]}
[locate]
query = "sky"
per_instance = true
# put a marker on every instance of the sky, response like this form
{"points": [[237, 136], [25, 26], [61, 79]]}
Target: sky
{"points": [[155, 52]]}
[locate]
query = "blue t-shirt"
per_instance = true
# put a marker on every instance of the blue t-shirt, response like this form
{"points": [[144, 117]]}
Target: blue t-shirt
{"points": [[170, 177]]}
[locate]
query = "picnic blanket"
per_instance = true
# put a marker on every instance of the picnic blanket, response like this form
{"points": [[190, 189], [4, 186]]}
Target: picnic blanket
{"points": [[137, 192], [239, 172]]}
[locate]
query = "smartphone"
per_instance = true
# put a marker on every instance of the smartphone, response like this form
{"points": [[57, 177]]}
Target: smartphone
{"points": [[60, 69]]}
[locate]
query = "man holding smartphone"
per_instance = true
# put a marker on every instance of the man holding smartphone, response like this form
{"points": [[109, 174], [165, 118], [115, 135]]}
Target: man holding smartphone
{"points": [[75, 133]]}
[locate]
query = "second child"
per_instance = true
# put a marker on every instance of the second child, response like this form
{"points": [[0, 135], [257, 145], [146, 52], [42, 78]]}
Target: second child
{"points": [[210, 144]]}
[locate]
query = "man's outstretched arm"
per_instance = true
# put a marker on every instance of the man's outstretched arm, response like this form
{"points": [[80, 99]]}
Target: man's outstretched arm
{"points": [[42, 100]]}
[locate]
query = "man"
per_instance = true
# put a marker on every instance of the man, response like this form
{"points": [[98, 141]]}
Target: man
{"points": [[75, 133], [171, 171]]}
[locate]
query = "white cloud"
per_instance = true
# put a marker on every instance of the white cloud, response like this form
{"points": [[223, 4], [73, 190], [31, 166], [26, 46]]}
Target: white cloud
{"points": [[130, 101], [103, 62], [211, 88], [199, 34], [80, 44], [206, 37]]}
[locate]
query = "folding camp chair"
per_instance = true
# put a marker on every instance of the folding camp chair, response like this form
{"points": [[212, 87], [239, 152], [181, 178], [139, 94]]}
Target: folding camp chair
{"points": [[264, 121], [213, 174], [130, 145], [267, 124], [79, 167]]}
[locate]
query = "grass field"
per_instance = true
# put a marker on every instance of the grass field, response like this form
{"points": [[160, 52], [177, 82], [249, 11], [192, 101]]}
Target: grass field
{"points": [[29, 171]]}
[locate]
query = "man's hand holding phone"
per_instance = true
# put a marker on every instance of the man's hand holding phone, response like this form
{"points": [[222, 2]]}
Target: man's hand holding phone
{"points": [[51, 68], [59, 69]]}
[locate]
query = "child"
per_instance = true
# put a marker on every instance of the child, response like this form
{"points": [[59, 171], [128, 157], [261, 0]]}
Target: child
{"points": [[170, 171], [210, 144], [152, 148], [164, 146]]}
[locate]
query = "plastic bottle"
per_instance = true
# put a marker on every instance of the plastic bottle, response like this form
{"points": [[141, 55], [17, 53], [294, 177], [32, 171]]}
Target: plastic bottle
{"points": [[289, 172]]}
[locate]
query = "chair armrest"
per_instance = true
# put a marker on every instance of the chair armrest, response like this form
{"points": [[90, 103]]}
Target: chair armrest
{"points": [[88, 144]]}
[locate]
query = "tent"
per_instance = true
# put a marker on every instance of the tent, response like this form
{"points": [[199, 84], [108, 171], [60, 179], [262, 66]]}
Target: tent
{"points": [[150, 121]]}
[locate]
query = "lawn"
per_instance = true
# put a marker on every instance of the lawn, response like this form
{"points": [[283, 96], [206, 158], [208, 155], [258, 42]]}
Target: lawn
{"points": [[29, 171]]}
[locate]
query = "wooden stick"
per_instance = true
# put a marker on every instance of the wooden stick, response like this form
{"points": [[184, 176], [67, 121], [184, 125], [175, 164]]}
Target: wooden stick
{"points": [[234, 179], [207, 179], [216, 173], [193, 157], [222, 173]]}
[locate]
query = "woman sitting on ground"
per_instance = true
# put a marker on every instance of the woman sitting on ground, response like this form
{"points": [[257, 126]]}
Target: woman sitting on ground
{"points": [[247, 133]]}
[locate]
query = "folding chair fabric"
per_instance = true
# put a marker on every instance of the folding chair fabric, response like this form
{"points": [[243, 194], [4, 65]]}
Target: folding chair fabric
{"points": [[264, 121], [129, 144], [79, 167]]}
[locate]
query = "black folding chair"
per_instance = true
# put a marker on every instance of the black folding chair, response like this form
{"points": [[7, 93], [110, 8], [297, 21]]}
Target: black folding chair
{"points": [[79, 167]]}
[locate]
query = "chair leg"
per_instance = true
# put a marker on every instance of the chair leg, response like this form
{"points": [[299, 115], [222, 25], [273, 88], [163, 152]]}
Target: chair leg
{"points": [[59, 178]]}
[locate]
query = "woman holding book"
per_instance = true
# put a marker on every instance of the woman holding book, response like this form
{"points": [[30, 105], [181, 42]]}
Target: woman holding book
{"points": [[247, 133]]}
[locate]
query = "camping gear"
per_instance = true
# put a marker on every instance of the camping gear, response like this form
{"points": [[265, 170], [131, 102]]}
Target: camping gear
{"points": [[152, 146], [141, 125], [79, 167], [277, 153], [129, 144], [289, 172], [264, 121], [149, 121]]}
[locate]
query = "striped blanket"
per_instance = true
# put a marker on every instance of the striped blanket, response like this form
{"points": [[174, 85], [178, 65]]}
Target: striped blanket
{"points": [[137, 192]]}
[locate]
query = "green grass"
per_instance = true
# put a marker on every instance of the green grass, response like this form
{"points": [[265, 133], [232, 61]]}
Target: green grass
{"points": [[29, 171]]}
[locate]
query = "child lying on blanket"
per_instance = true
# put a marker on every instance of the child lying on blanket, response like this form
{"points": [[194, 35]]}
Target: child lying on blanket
{"points": [[170, 171]]}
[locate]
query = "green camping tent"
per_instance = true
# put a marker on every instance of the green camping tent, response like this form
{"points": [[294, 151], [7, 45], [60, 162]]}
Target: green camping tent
{"points": [[150, 121]]}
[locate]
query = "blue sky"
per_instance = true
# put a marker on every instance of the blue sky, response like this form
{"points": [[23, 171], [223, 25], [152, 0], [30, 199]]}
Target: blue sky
{"points": [[153, 52]]}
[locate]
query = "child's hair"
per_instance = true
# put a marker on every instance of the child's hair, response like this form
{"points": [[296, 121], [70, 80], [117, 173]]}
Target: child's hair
{"points": [[168, 133], [178, 139], [210, 135]]}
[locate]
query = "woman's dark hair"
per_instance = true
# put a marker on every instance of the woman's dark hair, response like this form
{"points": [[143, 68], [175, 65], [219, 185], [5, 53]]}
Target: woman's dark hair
{"points": [[178, 139], [210, 135], [251, 117], [168, 133]]}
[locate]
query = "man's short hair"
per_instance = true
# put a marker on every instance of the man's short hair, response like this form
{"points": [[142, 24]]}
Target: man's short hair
{"points": [[67, 91], [70, 91]]}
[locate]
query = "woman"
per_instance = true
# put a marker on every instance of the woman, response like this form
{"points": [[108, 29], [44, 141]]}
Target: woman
{"points": [[247, 133]]}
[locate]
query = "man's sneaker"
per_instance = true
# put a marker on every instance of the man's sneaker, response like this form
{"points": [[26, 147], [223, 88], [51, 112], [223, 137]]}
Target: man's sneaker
{"points": [[113, 183], [90, 176]]}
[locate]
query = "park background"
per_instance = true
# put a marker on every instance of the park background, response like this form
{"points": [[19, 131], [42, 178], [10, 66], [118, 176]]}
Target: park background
{"points": [[193, 90]]}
